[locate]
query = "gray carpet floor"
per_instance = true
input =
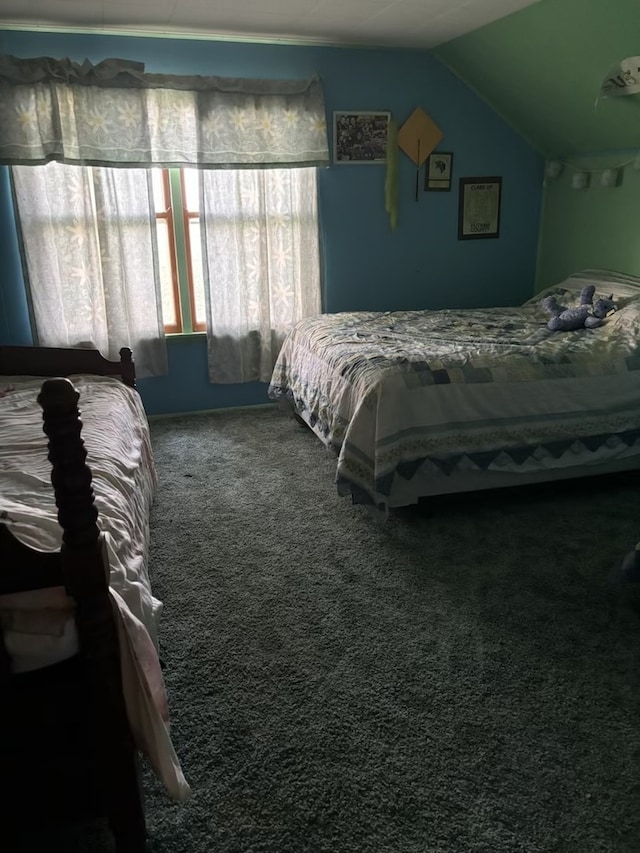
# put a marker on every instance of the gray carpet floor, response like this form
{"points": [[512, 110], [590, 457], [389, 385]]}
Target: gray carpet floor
{"points": [[440, 683]]}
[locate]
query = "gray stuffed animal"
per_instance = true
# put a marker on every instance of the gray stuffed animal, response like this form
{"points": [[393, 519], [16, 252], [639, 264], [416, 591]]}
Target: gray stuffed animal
{"points": [[583, 316]]}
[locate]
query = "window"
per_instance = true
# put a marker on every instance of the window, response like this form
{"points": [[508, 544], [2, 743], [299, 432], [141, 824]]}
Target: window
{"points": [[96, 273], [176, 202]]}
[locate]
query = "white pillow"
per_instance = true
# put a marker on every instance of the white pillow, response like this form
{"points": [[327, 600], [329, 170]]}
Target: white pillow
{"points": [[622, 286]]}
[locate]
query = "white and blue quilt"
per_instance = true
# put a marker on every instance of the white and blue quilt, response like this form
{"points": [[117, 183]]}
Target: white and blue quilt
{"points": [[401, 393]]}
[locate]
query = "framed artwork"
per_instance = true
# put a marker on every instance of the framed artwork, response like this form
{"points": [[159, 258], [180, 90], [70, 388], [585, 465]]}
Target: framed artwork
{"points": [[479, 208], [437, 176], [360, 137]]}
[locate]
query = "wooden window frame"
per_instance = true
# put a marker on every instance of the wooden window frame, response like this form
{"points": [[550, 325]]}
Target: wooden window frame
{"points": [[167, 215], [187, 217]]}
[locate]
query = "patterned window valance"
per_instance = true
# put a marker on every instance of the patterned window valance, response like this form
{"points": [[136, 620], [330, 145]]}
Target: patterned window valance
{"points": [[115, 114]]}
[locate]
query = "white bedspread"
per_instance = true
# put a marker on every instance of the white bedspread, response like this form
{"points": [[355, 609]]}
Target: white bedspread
{"points": [[38, 626]]}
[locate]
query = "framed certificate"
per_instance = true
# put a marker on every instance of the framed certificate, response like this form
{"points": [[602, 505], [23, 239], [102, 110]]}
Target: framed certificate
{"points": [[479, 208]]}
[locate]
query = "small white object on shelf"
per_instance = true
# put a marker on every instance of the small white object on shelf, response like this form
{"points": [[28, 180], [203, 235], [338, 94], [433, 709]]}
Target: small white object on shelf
{"points": [[553, 169], [580, 180], [610, 178]]}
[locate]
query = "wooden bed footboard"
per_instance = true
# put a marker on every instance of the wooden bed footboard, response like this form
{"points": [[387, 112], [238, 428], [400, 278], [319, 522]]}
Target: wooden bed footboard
{"points": [[81, 566], [56, 361]]}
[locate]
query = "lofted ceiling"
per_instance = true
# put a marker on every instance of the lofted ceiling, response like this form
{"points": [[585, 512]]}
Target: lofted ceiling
{"points": [[397, 23]]}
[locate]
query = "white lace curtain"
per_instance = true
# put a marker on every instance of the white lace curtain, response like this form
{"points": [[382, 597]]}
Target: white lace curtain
{"points": [[261, 265], [89, 245], [89, 234], [114, 113]]}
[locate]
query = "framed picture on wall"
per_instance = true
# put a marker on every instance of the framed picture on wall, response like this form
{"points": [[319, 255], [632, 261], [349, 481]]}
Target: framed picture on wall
{"points": [[479, 208], [437, 176], [360, 137]]}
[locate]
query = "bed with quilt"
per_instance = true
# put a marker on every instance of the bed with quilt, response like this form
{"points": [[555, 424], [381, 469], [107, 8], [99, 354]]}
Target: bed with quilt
{"points": [[419, 403], [76, 609]]}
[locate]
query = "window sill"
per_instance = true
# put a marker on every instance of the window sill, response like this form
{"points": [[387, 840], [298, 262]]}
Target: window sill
{"points": [[185, 336]]}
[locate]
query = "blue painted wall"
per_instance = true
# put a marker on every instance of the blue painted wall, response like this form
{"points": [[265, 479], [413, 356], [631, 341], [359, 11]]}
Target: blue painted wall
{"points": [[366, 266]]}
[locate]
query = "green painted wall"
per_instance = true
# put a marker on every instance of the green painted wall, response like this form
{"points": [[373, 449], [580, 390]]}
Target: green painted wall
{"points": [[595, 227], [541, 69]]}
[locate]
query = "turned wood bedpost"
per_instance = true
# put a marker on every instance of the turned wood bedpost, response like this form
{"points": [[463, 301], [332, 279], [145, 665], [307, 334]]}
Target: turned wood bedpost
{"points": [[127, 367], [85, 572], [5, 665]]}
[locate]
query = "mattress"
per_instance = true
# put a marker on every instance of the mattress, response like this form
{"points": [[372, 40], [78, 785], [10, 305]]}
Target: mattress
{"points": [[116, 436], [39, 629], [415, 401]]}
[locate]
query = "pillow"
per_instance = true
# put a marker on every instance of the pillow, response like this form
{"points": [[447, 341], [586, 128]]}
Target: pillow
{"points": [[622, 286]]}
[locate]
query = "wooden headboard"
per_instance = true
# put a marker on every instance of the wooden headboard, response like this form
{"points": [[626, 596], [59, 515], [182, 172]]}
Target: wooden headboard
{"points": [[54, 361]]}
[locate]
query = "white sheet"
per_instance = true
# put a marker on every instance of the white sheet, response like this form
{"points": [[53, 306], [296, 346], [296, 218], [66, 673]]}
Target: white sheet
{"points": [[38, 626]]}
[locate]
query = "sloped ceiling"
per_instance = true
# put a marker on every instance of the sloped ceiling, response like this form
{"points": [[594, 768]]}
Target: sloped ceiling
{"points": [[541, 69]]}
